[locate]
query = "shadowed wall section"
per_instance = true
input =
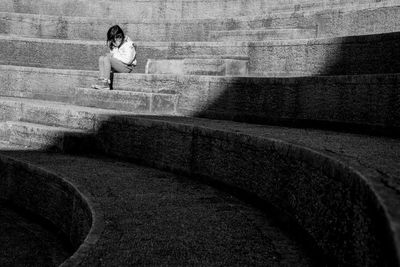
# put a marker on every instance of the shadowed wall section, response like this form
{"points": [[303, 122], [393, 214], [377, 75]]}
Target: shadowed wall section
{"points": [[366, 103], [334, 203], [52, 199]]}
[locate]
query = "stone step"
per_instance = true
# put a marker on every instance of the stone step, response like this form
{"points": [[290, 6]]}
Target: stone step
{"points": [[369, 54], [188, 221], [80, 54], [198, 66], [343, 102], [175, 10], [43, 137], [330, 22], [262, 34], [93, 28], [362, 19], [137, 102], [300, 163], [54, 113], [73, 87]]}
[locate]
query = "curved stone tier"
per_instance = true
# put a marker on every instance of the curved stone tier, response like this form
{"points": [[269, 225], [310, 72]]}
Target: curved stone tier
{"points": [[323, 23], [368, 54], [366, 103], [332, 190], [176, 9], [53, 199], [340, 188]]}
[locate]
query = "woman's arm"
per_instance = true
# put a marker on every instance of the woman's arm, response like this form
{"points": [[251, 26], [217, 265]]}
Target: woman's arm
{"points": [[126, 53]]}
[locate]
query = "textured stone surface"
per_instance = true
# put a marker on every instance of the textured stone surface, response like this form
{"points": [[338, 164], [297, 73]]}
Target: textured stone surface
{"points": [[53, 113], [83, 55], [340, 21], [173, 9], [164, 66], [262, 34], [367, 102], [43, 137], [52, 199], [364, 101], [26, 241], [335, 201], [150, 217], [341, 188], [331, 22], [370, 54], [198, 66], [328, 182], [318, 178]]}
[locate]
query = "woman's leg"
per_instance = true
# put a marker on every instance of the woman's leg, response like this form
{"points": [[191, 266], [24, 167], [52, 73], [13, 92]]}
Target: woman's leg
{"points": [[106, 67], [119, 66], [101, 67], [104, 73]]}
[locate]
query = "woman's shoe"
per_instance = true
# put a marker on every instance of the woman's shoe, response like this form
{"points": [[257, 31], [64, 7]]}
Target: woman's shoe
{"points": [[102, 84]]}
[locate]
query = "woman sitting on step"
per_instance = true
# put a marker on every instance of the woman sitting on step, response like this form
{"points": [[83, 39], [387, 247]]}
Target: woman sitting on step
{"points": [[122, 57]]}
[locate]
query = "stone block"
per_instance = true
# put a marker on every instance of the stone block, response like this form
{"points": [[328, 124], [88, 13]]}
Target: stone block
{"points": [[262, 34], [198, 66], [58, 115], [166, 66], [4, 132], [289, 176], [35, 136], [164, 103], [138, 102]]}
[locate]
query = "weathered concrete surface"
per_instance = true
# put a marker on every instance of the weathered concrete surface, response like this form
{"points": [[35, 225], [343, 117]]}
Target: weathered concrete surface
{"points": [[65, 86], [149, 217], [83, 55], [173, 9], [333, 190], [198, 66], [229, 152], [43, 137], [49, 197], [26, 241], [362, 102], [92, 28], [330, 22], [341, 188], [262, 34], [368, 54]]}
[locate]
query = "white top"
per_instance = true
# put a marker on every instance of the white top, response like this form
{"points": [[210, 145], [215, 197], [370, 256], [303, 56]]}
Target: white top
{"points": [[126, 52]]}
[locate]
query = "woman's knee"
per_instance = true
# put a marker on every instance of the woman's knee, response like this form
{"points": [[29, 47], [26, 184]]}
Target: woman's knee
{"points": [[119, 66]]}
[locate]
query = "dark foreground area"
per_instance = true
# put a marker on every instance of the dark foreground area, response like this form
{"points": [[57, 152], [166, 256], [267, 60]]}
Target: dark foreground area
{"points": [[27, 241], [151, 217]]}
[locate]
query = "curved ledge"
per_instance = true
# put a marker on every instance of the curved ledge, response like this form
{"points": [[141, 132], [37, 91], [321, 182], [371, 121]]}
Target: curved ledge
{"points": [[54, 199], [347, 209], [351, 55], [354, 20], [178, 9], [336, 204], [333, 102]]}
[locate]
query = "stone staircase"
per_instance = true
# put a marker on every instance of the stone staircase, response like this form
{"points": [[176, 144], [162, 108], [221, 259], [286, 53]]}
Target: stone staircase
{"points": [[326, 64]]}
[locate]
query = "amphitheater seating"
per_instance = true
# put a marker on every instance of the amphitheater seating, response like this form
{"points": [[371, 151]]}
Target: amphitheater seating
{"points": [[295, 103]]}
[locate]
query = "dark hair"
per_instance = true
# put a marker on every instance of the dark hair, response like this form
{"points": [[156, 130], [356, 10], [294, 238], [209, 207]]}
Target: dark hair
{"points": [[113, 33]]}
